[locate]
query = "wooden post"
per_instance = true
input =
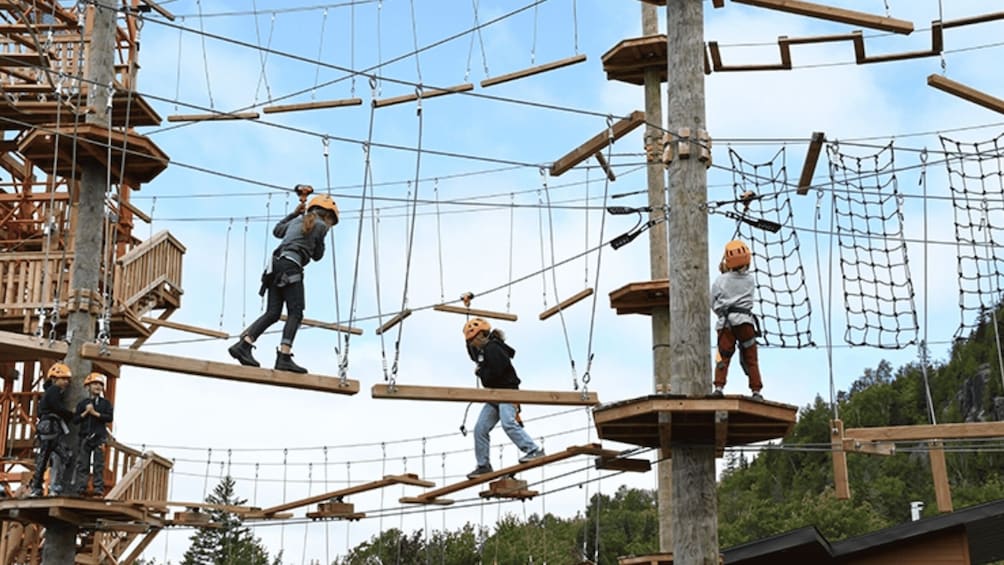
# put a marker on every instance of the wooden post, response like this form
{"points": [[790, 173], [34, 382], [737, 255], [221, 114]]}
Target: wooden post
{"points": [[60, 537], [841, 485], [695, 506], [658, 264]]}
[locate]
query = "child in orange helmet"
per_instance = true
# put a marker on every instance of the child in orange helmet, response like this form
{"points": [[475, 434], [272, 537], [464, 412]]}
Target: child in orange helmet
{"points": [[93, 414], [51, 430], [732, 301]]}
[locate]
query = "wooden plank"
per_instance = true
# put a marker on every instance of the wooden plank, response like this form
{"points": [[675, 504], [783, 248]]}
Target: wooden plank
{"points": [[939, 473], [598, 142], [982, 18], [434, 496], [870, 447], [811, 160], [457, 394], [327, 326], [427, 93], [318, 105], [476, 312], [577, 297], [927, 432], [397, 319], [966, 92], [605, 166], [626, 464], [213, 117], [16, 347], [842, 15], [159, 9], [408, 479], [225, 371], [535, 70], [508, 487], [185, 327], [842, 487], [721, 431]]}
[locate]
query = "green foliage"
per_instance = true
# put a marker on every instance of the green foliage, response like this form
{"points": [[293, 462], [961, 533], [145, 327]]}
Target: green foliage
{"points": [[231, 543], [459, 547], [628, 524]]}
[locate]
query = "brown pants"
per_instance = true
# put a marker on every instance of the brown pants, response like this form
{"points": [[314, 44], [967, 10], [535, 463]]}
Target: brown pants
{"points": [[728, 338]]}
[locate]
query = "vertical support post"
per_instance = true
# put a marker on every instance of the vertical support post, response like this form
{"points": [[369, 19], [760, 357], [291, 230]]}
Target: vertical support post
{"points": [[939, 473], [841, 485], [695, 503], [659, 265], [60, 537]]}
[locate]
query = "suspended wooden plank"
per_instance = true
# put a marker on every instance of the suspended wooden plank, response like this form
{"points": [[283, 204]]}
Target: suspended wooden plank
{"points": [[982, 18], [811, 159], [434, 496], [424, 94], [612, 460], [966, 93], [327, 326], [336, 510], [185, 327], [927, 432], [213, 369], [406, 479], [397, 319], [535, 70], [476, 312], [213, 117], [598, 142], [318, 105], [841, 484], [453, 394], [842, 15], [577, 297]]}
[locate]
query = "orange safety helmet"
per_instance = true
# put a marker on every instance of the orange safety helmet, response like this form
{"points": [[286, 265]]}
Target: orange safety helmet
{"points": [[59, 371], [474, 326], [326, 202], [737, 255], [95, 378]]}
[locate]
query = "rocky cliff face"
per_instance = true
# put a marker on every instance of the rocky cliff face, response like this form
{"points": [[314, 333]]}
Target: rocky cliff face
{"points": [[972, 398]]}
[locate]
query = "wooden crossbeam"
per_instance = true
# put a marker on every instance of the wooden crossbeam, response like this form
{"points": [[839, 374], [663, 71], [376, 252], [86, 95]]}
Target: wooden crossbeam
{"points": [[213, 369], [475, 312], [456, 394], [425, 93], [811, 159], [395, 320], [982, 18], [831, 13], [535, 70], [870, 447], [434, 496], [598, 142], [578, 296], [407, 479], [966, 92], [615, 462], [927, 432], [19, 346], [327, 326], [185, 327], [841, 484], [721, 431], [213, 117], [605, 166], [318, 105]]}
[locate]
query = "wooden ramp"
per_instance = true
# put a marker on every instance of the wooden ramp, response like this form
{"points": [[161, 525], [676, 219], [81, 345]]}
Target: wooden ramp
{"points": [[458, 394], [433, 496], [331, 504], [217, 370]]}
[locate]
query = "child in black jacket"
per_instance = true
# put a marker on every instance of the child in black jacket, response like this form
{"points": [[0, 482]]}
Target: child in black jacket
{"points": [[93, 414]]}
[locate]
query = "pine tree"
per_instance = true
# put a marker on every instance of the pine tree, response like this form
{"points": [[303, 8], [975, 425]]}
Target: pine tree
{"points": [[231, 543]]}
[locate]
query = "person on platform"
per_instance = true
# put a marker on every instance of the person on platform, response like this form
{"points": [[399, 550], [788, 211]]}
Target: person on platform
{"points": [[51, 431], [93, 414], [732, 302]]}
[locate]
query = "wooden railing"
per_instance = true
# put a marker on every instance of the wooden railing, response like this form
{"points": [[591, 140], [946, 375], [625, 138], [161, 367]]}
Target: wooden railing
{"points": [[150, 267]]}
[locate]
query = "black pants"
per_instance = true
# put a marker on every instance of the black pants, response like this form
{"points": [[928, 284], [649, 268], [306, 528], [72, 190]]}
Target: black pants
{"points": [[90, 451], [56, 450], [290, 294]]}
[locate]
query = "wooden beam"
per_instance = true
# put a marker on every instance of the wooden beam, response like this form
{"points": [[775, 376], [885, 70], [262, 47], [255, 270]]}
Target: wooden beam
{"points": [[423, 94], [508, 487], [213, 117], [811, 159], [581, 295], [982, 18], [966, 92], [136, 211], [319, 105], [598, 142], [475, 312], [408, 479], [841, 486], [185, 328], [397, 319], [434, 496], [605, 166], [721, 431], [626, 464], [535, 70], [159, 9], [65, 515], [939, 474], [852, 17], [17, 347], [327, 326], [225, 371], [452, 394], [140, 547], [870, 447], [927, 432]]}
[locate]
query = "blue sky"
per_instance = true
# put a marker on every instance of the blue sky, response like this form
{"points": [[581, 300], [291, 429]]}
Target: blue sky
{"points": [[481, 153]]}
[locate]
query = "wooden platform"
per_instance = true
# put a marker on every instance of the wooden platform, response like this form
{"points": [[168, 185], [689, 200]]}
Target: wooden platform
{"points": [[28, 113], [457, 394], [640, 297], [96, 513], [434, 496], [664, 420], [628, 60], [217, 370]]}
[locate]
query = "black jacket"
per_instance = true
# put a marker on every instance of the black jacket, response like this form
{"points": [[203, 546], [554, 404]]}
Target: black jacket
{"points": [[494, 366], [94, 427], [52, 403]]}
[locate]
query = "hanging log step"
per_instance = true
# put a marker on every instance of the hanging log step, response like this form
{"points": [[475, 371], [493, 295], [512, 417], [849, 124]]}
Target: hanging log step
{"points": [[475, 312], [457, 394], [319, 105], [535, 70], [397, 319], [221, 116], [577, 297], [423, 94]]}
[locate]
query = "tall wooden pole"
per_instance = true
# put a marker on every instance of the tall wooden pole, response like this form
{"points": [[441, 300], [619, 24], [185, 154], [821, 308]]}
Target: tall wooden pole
{"points": [[60, 537], [658, 263], [695, 521]]}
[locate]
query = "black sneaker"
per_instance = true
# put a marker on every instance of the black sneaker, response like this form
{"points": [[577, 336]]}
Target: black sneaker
{"points": [[757, 395], [35, 493], [481, 470], [535, 454]]}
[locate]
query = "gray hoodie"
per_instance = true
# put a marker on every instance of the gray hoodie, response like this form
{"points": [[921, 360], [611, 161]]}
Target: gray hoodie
{"points": [[303, 247], [732, 289]]}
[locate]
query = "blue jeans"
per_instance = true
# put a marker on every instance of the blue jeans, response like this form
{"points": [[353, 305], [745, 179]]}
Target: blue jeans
{"points": [[491, 414]]}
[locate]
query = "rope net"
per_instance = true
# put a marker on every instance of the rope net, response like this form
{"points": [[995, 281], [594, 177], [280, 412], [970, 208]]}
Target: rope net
{"points": [[782, 301], [868, 212], [976, 180]]}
